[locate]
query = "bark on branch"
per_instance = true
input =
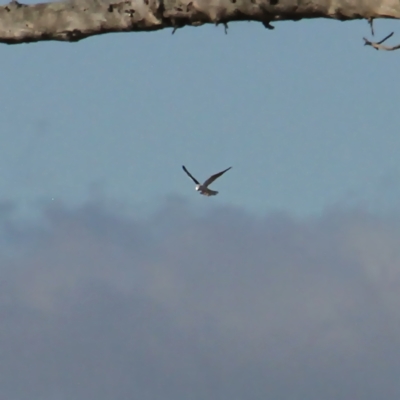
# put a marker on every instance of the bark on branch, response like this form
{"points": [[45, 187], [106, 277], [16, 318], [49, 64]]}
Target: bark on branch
{"points": [[78, 19]]}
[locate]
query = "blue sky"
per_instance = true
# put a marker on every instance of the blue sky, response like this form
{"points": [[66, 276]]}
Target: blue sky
{"points": [[306, 115]]}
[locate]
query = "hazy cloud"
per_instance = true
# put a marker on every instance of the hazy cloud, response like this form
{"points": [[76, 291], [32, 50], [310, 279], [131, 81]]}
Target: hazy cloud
{"points": [[184, 305]]}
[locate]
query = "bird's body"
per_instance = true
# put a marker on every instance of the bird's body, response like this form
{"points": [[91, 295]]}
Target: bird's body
{"points": [[206, 191], [203, 188]]}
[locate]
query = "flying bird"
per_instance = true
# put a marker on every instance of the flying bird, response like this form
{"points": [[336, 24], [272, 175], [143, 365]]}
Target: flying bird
{"points": [[203, 188]]}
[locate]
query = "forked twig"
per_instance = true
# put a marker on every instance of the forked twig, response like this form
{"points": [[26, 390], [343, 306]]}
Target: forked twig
{"points": [[379, 46]]}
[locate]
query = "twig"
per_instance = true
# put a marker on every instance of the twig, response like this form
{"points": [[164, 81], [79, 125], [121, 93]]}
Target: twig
{"points": [[379, 46], [371, 24], [225, 24], [267, 25]]}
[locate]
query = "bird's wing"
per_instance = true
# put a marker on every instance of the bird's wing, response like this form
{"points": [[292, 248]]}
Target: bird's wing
{"points": [[212, 178], [191, 176]]}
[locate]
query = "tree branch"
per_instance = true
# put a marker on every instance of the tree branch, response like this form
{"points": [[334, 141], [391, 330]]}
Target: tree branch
{"points": [[74, 20]]}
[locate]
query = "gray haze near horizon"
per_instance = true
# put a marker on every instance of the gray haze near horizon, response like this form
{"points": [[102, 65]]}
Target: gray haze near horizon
{"points": [[189, 304]]}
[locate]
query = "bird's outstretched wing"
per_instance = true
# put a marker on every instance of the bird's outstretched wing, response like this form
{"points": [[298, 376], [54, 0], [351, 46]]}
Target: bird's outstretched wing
{"points": [[191, 176], [212, 178]]}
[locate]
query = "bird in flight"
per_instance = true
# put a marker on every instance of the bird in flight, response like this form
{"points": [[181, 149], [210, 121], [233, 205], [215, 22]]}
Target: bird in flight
{"points": [[203, 188]]}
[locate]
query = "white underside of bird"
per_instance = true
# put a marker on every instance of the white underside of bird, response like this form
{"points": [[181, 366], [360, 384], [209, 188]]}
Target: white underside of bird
{"points": [[203, 188]]}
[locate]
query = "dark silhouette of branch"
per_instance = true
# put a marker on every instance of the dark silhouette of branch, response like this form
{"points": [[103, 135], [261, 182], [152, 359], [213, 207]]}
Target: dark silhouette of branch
{"points": [[371, 24]]}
